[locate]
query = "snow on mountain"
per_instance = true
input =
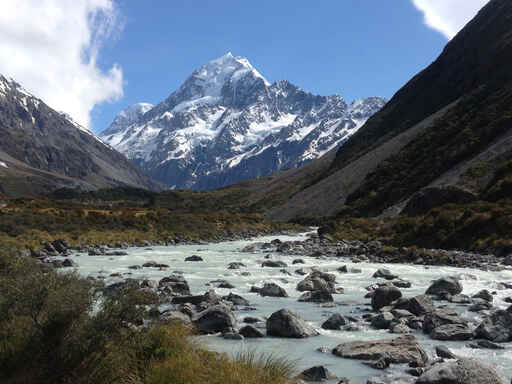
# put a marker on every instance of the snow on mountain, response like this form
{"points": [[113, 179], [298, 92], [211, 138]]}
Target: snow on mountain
{"points": [[227, 123]]}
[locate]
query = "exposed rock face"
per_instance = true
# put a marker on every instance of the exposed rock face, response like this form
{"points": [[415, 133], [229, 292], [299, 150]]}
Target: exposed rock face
{"points": [[445, 285], [284, 323], [404, 349], [226, 123], [44, 150], [462, 371]]}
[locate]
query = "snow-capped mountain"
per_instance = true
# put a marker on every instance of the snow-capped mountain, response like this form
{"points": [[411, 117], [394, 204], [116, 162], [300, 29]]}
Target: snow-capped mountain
{"points": [[227, 123]]}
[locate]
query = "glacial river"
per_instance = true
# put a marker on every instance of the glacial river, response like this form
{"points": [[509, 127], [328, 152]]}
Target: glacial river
{"points": [[217, 257]]}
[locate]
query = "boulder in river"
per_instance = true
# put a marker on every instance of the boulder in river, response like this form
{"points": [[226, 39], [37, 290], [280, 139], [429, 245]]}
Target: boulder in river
{"points": [[385, 274], [462, 371], [174, 284], [285, 323], [384, 296], [317, 373], [250, 331], [274, 264], [316, 297], [452, 332], [420, 305], [403, 349], [236, 265], [215, 319], [443, 352], [236, 299], [444, 285], [441, 317], [194, 258], [272, 290], [496, 327], [335, 322]]}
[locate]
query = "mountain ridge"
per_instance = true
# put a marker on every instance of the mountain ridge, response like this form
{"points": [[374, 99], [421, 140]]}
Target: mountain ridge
{"points": [[227, 123], [42, 150]]}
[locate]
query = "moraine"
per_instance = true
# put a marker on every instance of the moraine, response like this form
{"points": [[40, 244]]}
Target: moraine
{"points": [[217, 257]]}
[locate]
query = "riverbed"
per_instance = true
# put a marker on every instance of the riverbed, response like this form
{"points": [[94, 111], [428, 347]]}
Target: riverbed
{"points": [[216, 258]]}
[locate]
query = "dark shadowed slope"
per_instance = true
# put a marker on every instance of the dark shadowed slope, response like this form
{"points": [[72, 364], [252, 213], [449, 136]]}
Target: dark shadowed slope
{"points": [[42, 150], [449, 125]]}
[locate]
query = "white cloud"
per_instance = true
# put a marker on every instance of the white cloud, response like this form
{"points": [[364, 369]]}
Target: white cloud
{"points": [[51, 47], [448, 16]]}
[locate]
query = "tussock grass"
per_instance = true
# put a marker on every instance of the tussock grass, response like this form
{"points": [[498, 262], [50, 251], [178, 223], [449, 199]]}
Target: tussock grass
{"points": [[49, 333]]}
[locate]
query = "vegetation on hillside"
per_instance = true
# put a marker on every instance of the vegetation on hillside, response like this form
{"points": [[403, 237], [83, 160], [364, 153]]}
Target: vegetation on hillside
{"points": [[480, 226], [52, 331], [127, 215]]}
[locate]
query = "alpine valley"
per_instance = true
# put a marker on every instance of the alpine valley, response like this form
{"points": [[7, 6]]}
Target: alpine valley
{"points": [[227, 123]]}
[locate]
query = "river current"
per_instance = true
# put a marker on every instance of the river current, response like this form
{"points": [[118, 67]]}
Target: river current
{"points": [[217, 257]]}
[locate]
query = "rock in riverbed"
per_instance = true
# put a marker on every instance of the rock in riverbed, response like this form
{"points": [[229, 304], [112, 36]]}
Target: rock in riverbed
{"points": [[285, 323], [462, 371], [404, 349]]}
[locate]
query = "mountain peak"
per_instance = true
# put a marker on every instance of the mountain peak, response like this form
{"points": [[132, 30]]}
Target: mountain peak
{"points": [[211, 77]]}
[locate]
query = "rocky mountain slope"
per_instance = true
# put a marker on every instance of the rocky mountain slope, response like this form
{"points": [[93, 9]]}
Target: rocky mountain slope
{"points": [[227, 123], [42, 150], [449, 126]]}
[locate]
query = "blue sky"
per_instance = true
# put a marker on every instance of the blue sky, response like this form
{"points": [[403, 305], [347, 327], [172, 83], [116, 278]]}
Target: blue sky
{"points": [[91, 58], [352, 47]]}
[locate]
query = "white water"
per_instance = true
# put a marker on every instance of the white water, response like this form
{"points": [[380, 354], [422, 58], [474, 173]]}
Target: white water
{"points": [[218, 256]]}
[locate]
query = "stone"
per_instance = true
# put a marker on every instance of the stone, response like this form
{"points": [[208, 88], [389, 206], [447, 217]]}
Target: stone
{"points": [[448, 284], [443, 352], [274, 264], [285, 323], [496, 327], [403, 349], [440, 317], [272, 290], [384, 296], [215, 319], [236, 299], [453, 332], [236, 265], [317, 373], [68, 263], [174, 284], [462, 371], [381, 363], [382, 320], [335, 322], [250, 332], [154, 264], [384, 274], [298, 261], [194, 258], [399, 283], [484, 294], [316, 297], [485, 344]]}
